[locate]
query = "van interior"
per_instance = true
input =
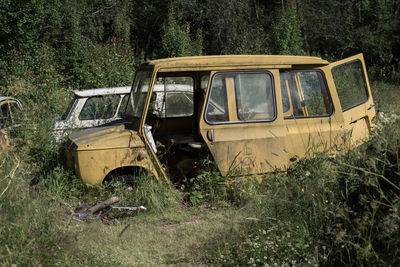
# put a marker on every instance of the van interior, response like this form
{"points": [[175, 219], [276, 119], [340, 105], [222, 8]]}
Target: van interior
{"points": [[173, 120]]}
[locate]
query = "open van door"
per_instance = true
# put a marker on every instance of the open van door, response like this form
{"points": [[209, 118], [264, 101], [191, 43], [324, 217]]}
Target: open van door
{"points": [[354, 92]]}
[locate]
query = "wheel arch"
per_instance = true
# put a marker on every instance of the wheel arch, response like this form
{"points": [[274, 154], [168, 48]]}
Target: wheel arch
{"points": [[126, 170]]}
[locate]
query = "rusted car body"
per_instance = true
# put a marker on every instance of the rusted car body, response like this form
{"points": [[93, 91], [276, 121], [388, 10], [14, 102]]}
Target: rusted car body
{"points": [[253, 114], [91, 108], [10, 110]]}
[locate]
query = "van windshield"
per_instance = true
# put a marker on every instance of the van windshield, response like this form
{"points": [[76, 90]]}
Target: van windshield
{"points": [[138, 94]]}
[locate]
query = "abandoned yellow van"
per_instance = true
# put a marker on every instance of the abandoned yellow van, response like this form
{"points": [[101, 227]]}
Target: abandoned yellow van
{"points": [[253, 114]]}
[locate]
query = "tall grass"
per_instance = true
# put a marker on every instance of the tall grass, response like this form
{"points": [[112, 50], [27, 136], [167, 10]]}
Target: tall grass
{"points": [[327, 211], [34, 186]]}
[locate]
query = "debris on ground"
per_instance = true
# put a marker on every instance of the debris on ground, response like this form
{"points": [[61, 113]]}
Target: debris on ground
{"points": [[100, 211]]}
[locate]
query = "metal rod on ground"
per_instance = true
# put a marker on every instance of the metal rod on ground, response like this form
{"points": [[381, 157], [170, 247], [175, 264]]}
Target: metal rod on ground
{"points": [[130, 208]]}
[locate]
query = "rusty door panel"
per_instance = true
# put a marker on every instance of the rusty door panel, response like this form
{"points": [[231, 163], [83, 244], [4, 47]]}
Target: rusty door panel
{"points": [[307, 136], [248, 147]]}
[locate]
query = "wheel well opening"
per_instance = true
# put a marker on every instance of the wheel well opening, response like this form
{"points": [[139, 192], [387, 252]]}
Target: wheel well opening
{"points": [[132, 171]]}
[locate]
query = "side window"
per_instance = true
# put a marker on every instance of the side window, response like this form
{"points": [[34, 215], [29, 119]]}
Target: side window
{"points": [[4, 115], [69, 109], [217, 110], [250, 94], [9, 113], [14, 112], [178, 104], [122, 107], [307, 95], [173, 97], [316, 100], [254, 96], [350, 84], [100, 107]]}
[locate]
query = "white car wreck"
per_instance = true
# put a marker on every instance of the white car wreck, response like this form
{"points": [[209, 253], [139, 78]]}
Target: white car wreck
{"points": [[91, 108], [10, 111]]}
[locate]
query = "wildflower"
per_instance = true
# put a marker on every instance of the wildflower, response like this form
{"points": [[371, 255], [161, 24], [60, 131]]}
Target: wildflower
{"points": [[326, 201], [302, 190], [313, 195]]}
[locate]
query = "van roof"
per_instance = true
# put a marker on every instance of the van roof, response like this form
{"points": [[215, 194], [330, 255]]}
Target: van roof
{"points": [[102, 91], [226, 61]]}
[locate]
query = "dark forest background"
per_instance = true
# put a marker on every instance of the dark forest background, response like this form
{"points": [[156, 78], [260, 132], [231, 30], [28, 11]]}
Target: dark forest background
{"points": [[97, 43]]}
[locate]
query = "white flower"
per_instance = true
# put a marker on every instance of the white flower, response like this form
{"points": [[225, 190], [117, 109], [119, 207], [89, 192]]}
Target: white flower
{"points": [[264, 232]]}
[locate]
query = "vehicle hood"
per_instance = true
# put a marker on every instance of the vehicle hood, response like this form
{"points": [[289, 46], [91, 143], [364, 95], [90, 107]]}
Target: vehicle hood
{"points": [[106, 137]]}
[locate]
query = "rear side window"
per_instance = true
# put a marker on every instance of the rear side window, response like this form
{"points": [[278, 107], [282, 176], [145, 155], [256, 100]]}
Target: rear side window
{"points": [[100, 107], [122, 106], [9, 113], [250, 96], [304, 94], [69, 109], [350, 84], [14, 111], [178, 104], [5, 117]]}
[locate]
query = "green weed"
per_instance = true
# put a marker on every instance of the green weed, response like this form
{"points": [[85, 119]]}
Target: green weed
{"points": [[210, 188]]}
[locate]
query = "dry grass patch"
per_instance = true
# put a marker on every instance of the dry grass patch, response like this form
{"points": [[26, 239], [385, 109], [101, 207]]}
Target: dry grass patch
{"points": [[161, 243]]}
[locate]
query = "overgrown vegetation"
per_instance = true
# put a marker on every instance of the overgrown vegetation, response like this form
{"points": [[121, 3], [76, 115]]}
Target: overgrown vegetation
{"points": [[327, 211], [323, 211]]}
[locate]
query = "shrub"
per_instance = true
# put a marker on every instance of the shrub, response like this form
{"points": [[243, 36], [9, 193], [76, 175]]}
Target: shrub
{"points": [[210, 188]]}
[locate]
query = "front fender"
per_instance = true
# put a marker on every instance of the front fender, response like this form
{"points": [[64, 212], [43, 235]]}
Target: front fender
{"points": [[92, 166]]}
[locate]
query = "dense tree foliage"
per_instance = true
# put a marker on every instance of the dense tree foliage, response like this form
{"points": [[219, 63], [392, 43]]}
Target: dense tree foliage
{"points": [[81, 35]]}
